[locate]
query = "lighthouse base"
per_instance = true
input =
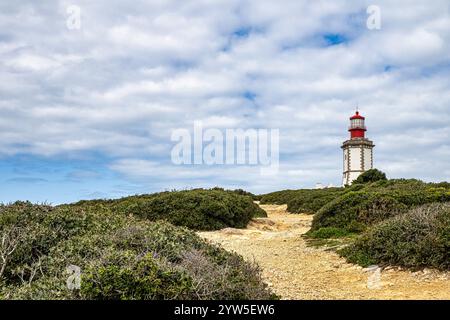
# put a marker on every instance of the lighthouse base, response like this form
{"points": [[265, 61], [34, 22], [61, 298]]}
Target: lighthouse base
{"points": [[358, 158]]}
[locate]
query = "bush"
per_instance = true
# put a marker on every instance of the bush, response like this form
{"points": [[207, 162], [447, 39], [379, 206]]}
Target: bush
{"points": [[310, 201], [304, 200], [278, 197], [419, 238], [197, 209], [371, 175], [245, 193], [328, 232], [120, 257], [29, 232], [200, 209], [358, 208], [355, 210], [123, 275]]}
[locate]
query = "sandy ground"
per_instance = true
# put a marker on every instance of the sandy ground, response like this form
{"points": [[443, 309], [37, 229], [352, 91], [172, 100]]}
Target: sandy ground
{"points": [[297, 271]]}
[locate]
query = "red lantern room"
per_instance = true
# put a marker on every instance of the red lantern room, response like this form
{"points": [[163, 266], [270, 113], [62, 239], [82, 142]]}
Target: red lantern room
{"points": [[357, 128]]}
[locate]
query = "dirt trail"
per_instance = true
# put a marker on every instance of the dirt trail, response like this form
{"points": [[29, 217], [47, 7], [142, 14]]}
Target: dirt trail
{"points": [[297, 271]]}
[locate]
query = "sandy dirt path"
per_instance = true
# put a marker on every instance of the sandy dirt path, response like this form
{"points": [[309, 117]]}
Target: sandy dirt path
{"points": [[297, 271]]}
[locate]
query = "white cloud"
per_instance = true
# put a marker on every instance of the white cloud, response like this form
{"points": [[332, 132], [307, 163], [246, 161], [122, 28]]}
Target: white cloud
{"points": [[118, 86]]}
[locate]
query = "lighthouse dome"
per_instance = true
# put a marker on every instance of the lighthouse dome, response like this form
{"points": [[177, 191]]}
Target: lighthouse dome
{"points": [[357, 116]]}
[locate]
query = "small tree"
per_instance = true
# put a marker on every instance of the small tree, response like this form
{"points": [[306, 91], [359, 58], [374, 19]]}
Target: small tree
{"points": [[371, 175]]}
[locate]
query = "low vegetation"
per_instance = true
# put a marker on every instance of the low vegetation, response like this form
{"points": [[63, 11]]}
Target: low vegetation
{"points": [[200, 209], [197, 209], [361, 207], [402, 222], [120, 257], [371, 175], [302, 201], [418, 238], [142, 247], [371, 199], [328, 232], [279, 197], [310, 201]]}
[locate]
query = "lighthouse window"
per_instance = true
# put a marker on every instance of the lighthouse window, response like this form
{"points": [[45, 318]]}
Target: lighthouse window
{"points": [[357, 123]]}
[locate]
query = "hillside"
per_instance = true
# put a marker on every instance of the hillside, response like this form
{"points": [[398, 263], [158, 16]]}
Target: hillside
{"points": [[148, 246], [127, 249]]}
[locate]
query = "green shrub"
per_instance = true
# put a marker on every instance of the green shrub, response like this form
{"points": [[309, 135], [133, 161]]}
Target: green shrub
{"points": [[120, 257], [200, 209], [245, 193], [197, 209], [29, 231], [419, 238], [359, 207], [304, 200], [371, 175], [278, 197], [123, 275], [310, 201], [328, 232]]}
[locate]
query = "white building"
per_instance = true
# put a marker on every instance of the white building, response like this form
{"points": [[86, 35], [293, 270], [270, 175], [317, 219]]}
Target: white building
{"points": [[358, 151]]}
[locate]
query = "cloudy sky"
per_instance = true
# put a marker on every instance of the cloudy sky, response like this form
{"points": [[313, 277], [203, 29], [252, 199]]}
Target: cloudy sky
{"points": [[89, 112]]}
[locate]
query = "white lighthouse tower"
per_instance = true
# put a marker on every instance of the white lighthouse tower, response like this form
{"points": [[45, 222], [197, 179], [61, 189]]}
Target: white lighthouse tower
{"points": [[358, 151]]}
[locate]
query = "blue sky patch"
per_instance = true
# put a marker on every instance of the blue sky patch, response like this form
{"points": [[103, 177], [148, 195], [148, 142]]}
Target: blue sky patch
{"points": [[335, 39]]}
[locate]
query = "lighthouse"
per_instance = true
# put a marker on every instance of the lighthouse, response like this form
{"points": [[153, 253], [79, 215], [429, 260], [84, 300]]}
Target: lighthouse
{"points": [[358, 150]]}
